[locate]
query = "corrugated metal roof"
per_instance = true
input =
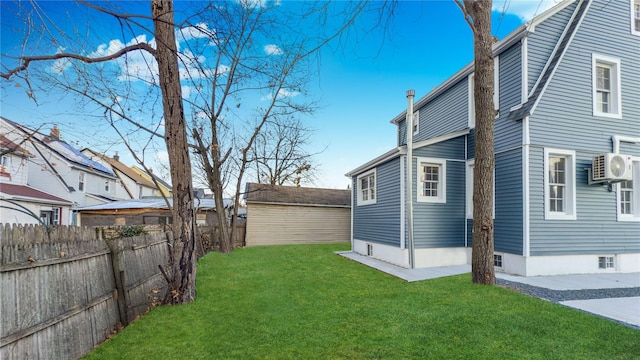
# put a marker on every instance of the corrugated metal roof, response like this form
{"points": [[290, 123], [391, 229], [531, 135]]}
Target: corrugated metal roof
{"points": [[276, 194], [151, 203]]}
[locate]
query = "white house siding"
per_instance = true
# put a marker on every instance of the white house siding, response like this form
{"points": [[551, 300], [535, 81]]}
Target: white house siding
{"points": [[269, 224], [10, 216]]}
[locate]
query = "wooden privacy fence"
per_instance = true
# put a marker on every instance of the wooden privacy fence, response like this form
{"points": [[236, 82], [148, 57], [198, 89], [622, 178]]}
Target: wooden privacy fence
{"points": [[210, 236], [66, 291]]}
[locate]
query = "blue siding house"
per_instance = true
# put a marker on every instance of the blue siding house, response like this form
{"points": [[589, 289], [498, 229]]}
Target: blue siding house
{"points": [[567, 150]]}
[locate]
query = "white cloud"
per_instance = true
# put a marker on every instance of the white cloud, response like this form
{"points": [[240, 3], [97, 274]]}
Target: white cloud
{"points": [[524, 9], [282, 93], [272, 49], [186, 91], [60, 65], [162, 157], [199, 31]]}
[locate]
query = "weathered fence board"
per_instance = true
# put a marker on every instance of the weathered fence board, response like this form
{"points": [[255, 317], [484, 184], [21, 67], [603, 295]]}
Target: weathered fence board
{"points": [[136, 261], [58, 288]]}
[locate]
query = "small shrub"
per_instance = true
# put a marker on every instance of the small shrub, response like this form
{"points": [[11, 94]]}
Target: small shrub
{"points": [[131, 231]]}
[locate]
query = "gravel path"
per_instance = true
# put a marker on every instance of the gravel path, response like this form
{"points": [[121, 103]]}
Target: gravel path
{"points": [[557, 296]]}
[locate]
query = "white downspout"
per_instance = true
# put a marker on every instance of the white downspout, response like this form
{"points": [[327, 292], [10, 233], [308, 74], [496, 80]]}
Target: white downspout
{"points": [[617, 139], [409, 188]]}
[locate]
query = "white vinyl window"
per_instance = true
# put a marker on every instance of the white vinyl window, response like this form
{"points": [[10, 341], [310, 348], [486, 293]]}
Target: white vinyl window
{"points": [[81, 181], [606, 262], [432, 182], [628, 195], [107, 185], [606, 86], [416, 123], [559, 184], [367, 188], [56, 216], [635, 16]]}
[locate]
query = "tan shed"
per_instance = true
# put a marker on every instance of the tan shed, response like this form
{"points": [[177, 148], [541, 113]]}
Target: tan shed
{"points": [[296, 215]]}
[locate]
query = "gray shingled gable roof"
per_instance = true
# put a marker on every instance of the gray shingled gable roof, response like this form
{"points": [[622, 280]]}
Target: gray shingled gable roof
{"points": [[276, 194]]}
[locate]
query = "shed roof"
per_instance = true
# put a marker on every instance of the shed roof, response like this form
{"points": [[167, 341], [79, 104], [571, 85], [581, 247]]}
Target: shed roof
{"points": [[277, 194], [151, 203]]}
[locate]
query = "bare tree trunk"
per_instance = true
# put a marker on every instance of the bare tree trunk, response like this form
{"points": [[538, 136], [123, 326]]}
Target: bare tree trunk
{"points": [[182, 287], [478, 15]]}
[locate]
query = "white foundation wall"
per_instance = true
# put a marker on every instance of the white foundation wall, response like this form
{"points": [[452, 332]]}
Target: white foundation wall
{"points": [[566, 264], [386, 253], [435, 257]]}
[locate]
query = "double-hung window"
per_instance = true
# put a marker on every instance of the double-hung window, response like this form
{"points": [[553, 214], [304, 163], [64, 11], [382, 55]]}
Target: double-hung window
{"points": [[416, 123], [81, 181], [432, 185], [628, 195], [606, 86], [367, 188], [560, 184]]}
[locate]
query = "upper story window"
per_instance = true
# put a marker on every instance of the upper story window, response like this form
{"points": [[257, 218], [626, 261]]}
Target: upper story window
{"points": [[416, 123], [628, 195], [81, 181], [367, 188], [432, 185], [635, 17], [606, 86], [107, 185], [560, 184]]}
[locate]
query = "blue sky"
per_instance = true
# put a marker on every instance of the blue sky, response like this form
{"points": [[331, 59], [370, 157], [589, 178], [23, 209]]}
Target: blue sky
{"points": [[360, 85]]}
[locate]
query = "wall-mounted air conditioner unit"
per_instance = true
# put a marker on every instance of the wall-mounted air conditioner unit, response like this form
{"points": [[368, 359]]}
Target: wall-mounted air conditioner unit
{"points": [[612, 167]]}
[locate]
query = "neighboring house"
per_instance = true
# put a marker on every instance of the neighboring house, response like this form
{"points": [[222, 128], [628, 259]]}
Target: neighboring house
{"points": [[151, 211], [296, 215], [130, 184], [20, 203], [59, 169], [568, 100], [164, 187]]}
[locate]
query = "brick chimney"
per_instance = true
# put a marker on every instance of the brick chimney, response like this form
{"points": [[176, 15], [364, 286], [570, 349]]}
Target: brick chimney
{"points": [[55, 132], [116, 157]]}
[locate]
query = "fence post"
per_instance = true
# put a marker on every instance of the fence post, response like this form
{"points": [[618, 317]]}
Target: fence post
{"points": [[119, 277]]}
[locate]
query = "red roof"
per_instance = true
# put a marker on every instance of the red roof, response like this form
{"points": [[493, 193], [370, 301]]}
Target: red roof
{"points": [[23, 191], [5, 143]]}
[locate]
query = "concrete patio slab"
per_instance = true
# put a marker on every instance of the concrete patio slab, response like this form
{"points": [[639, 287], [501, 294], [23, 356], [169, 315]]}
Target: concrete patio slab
{"points": [[625, 309], [577, 282], [409, 275]]}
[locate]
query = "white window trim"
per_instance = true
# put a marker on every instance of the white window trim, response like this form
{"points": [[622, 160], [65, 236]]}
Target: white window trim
{"points": [[471, 113], [416, 122], [636, 195], [361, 202], [616, 93], [442, 180], [632, 17], [496, 83], [570, 214], [469, 190]]}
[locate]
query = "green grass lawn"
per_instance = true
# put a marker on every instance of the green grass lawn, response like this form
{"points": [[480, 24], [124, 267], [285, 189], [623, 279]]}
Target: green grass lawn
{"points": [[305, 302]]}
